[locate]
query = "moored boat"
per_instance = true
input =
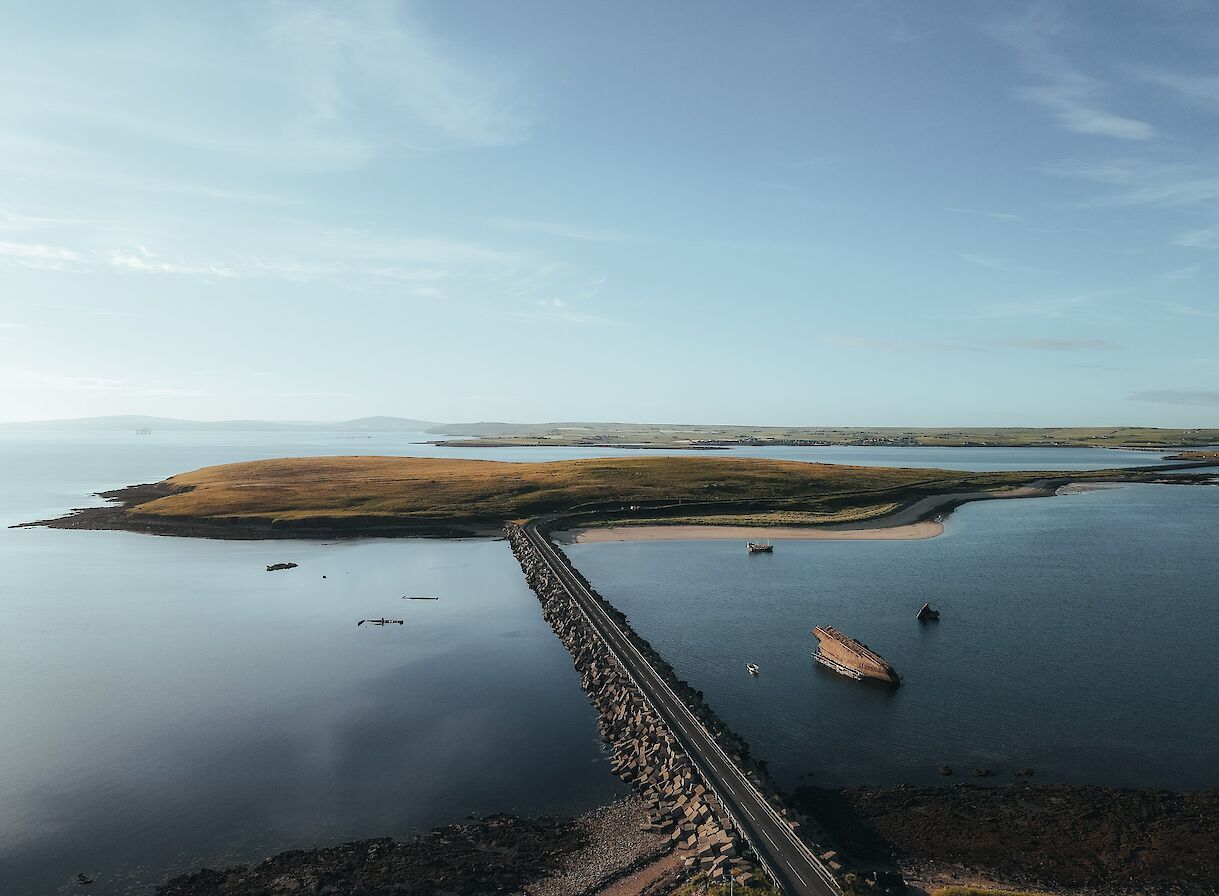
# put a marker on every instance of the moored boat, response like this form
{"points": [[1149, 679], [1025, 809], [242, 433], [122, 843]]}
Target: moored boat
{"points": [[761, 547]]}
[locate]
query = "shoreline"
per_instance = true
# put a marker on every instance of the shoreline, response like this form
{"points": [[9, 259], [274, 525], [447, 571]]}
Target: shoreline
{"points": [[919, 520], [706, 532], [893, 526], [917, 830], [532, 856], [1048, 837]]}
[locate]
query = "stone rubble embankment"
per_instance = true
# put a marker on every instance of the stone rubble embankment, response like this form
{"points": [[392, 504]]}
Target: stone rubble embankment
{"points": [[617, 846], [645, 753]]}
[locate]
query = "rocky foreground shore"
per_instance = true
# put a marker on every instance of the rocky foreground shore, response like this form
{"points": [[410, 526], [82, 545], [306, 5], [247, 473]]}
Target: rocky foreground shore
{"points": [[496, 855], [499, 855], [1057, 837]]}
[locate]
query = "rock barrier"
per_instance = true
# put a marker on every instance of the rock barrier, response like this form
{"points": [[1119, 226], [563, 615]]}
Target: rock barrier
{"points": [[646, 755]]}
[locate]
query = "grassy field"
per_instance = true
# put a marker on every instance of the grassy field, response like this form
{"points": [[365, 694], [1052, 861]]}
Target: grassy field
{"points": [[1195, 455], [700, 886], [684, 436], [430, 490]]}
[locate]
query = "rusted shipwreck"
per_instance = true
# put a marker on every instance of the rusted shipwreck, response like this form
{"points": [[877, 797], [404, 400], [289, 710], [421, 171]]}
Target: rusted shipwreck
{"points": [[848, 657]]}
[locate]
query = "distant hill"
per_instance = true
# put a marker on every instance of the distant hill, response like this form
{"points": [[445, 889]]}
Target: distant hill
{"points": [[131, 422]]}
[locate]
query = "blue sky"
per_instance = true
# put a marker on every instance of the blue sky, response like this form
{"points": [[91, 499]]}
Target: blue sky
{"points": [[791, 213]]}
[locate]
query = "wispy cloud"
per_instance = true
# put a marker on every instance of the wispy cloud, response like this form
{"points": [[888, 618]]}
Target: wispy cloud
{"points": [[1181, 309], [1189, 272], [985, 261], [375, 52], [562, 231], [324, 253], [1143, 182], [868, 343], [13, 220], [310, 85], [1001, 216], [1178, 396], [1199, 90], [557, 310], [1202, 238], [1074, 99], [1060, 344], [39, 256], [814, 162], [50, 159], [37, 252], [1053, 308], [1043, 344], [94, 385], [147, 263]]}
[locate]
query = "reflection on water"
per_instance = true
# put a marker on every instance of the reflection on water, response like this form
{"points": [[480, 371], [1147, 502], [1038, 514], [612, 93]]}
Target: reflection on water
{"points": [[167, 703]]}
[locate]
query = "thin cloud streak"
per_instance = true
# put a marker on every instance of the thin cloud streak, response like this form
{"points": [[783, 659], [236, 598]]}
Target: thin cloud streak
{"points": [[1180, 309], [1142, 182], [1203, 238], [1059, 344], [1198, 90], [558, 311], [1178, 396], [1042, 344], [985, 261], [94, 385], [562, 231], [351, 83], [1074, 99]]}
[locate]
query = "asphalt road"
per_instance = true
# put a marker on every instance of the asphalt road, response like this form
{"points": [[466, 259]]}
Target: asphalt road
{"points": [[797, 870]]}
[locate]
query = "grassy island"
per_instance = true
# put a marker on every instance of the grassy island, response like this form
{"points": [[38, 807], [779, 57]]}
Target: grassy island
{"points": [[337, 496]]}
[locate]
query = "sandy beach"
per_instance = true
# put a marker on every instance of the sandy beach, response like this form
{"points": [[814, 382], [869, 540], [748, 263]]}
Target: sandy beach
{"points": [[910, 532]]}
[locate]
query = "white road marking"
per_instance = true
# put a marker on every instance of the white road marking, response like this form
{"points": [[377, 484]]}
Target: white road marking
{"points": [[797, 873]]}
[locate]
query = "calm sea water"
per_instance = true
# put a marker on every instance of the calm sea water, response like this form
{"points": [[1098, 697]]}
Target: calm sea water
{"points": [[167, 703], [1078, 638]]}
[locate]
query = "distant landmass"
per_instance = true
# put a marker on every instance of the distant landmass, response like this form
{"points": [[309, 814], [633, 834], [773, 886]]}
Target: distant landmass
{"points": [[663, 435], [706, 436], [132, 422]]}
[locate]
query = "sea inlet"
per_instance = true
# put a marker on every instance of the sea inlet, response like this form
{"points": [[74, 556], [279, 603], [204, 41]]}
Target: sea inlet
{"points": [[167, 703]]}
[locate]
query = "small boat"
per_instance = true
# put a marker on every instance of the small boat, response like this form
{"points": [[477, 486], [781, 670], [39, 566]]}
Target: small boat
{"points": [[761, 547], [753, 668], [382, 621], [927, 613]]}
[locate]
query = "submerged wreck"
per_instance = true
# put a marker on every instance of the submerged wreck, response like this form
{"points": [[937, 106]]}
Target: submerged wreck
{"points": [[848, 657]]}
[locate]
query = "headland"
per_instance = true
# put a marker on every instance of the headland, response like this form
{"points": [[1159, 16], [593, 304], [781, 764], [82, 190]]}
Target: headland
{"points": [[361, 497]]}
